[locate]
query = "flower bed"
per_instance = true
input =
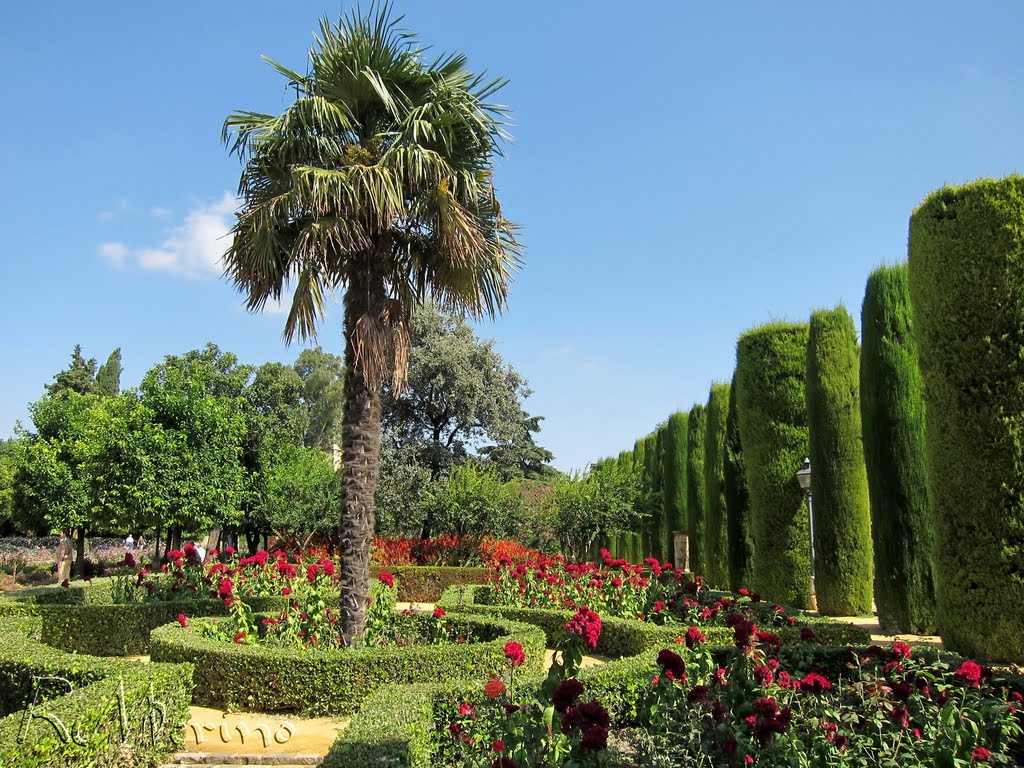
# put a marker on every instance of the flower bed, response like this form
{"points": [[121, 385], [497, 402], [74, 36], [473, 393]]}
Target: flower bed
{"points": [[319, 682], [447, 550], [117, 713], [426, 584], [629, 637]]}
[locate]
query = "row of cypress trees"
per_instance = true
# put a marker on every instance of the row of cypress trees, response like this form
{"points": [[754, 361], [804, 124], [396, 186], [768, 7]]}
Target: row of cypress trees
{"points": [[924, 516]]}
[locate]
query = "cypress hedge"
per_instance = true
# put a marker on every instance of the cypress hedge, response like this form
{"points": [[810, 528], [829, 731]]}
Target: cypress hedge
{"points": [[652, 466], [892, 408], [843, 564], [696, 511], [716, 537], [771, 368], [674, 480], [737, 500], [967, 291], [640, 467], [627, 541]]}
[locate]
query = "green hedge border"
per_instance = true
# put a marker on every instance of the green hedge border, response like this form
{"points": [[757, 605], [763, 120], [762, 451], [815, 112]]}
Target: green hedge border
{"points": [[624, 637], [333, 682], [426, 583], [94, 705]]}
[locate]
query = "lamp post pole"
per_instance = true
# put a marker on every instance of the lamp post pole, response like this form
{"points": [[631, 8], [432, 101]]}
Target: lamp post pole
{"points": [[803, 477]]}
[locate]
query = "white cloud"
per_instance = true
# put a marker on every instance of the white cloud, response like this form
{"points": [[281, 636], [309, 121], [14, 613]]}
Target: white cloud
{"points": [[280, 307], [160, 212], [194, 248], [565, 350], [113, 253]]}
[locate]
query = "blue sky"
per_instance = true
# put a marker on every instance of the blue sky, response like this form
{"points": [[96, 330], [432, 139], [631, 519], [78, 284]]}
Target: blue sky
{"points": [[682, 171]]}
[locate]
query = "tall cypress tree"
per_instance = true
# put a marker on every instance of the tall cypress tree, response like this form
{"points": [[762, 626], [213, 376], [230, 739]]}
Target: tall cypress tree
{"points": [[716, 537], [77, 377], [640, 467], [843, 564], [966, 262], [652, 466], [892, 408], [695, 504], [737, 500], [674, 480], [108, 377], [771, 370], [628, 542]]}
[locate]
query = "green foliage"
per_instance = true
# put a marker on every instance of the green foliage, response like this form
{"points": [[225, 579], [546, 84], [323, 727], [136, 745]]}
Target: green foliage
{"points": [[8, 466], [393, 727], [335, 681], [588, 508], [323, 395], [674, 485], [696, 505], [108, 377], [771, 365], [892, 408], [404, 482], [966, 267], [303, 491], [716, 549], [77, 377], [121, 713], [737, 500], [839, 485], [651, 525], [426, 583], [472, 503]]}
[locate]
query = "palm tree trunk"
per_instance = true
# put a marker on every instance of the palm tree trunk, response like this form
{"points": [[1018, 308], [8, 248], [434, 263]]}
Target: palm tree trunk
{"points": [[365, 296]]}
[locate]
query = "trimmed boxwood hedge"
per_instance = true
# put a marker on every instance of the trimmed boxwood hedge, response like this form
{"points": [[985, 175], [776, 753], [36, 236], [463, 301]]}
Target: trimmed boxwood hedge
{"points": [[966, 260], [332, 682], [627, 637], [112, 735], [393, 728], [892, 408], [426, 583], [123, 630], [843, 564], [771, 369]]}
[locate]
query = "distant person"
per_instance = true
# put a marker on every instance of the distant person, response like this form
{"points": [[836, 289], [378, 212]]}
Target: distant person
{"points": [[129, 543], [64, 555]]}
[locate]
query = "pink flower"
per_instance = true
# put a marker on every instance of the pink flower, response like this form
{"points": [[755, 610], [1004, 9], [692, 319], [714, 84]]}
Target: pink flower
{"points": [[183, 619], [586, 625]]}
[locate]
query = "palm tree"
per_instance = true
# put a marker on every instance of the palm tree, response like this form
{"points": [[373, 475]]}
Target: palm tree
{"points": [[376, 180]]}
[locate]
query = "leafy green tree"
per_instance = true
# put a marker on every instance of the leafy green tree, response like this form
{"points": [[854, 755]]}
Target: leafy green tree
{"points": [[196, 401], [78, 377], [473, 502], [323, 395], [376, 180], [589, 507], [302, 494], [403, 484], [8, 466], [108, 377]]}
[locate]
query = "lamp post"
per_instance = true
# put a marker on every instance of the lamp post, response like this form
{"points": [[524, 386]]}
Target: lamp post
{"points": [[803, 476]]}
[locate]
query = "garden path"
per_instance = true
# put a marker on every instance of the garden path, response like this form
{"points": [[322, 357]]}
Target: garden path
{"points": [[878, 635]]}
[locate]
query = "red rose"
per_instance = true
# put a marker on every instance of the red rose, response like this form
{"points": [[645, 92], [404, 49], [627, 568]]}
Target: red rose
{"points": [[183, 619], [969, 673], [240, 637], [814, 682], [286, 591], [466, 709], [498, 745], [900, 651], [387, 579], [494, 688], [439, 613], [980, 754], [514, 653], [672, 665], [694, 637], [586, 625], [807, 634], [566, 693]]}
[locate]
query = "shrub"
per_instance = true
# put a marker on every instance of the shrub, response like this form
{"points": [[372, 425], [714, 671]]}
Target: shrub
{"points": [[674, 481], [332, 681], [716, 549], [737, 500], [426, 583], [967, 288], [696, 513], [771, 364], [892, 408], [117, 712], [393, 727], [839, 485]]}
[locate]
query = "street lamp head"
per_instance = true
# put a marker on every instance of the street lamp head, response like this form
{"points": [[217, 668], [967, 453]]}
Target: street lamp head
{"points": [[803, 475]]}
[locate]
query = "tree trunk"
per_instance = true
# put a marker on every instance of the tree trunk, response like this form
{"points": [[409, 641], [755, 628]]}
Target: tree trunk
{"points": [[365, 296]]}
